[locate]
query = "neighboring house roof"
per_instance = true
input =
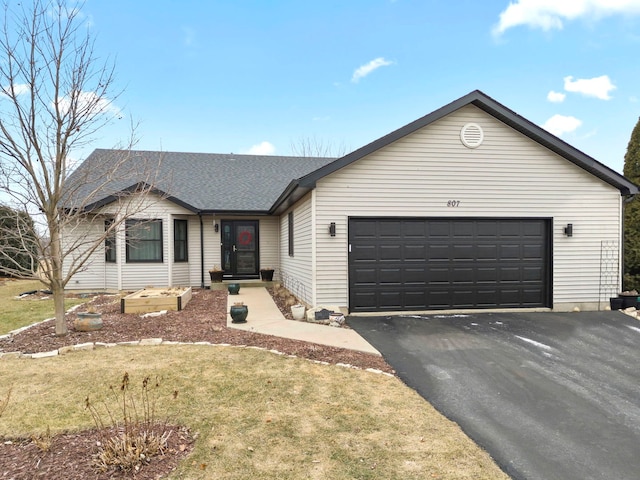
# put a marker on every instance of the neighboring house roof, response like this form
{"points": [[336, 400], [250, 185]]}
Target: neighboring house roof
{"points": [[298, 189], [200, 182]]}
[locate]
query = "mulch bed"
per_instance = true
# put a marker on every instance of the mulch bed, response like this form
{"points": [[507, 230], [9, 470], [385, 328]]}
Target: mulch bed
{"points": [[204, 319]]}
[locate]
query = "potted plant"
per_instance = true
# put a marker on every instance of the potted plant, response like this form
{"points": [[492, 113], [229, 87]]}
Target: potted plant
{"points": [[238, 312], [266, 274], [216, 274], [88, 321], [297, 311]]}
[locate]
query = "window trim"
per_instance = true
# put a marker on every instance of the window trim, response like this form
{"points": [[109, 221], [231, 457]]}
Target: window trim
{"points": [[176, 257], [130, 223], [290, 221], [110, 250]]}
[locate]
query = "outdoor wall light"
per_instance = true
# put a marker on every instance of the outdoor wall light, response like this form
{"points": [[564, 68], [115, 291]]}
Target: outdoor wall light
{"points": [[332, 229], [568, 230]]}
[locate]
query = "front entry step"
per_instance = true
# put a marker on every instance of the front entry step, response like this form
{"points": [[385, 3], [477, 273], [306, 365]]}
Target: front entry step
{"points": [[243, 283]]}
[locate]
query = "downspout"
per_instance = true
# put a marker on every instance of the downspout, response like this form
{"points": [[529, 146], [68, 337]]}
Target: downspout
{"points": [[201, 251]]}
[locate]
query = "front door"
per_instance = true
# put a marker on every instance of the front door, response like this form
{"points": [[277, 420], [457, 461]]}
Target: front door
{"points": [[240, 248]]}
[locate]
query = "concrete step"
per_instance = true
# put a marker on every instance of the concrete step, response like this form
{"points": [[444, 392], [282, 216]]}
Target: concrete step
{"points": [[243, 284]]}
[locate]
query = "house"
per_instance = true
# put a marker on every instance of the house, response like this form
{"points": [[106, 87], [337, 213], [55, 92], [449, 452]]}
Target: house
{"points": [[469, 207]]}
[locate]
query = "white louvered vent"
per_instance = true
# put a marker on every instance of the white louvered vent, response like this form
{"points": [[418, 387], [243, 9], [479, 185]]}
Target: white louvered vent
{"points": [[471, 135]]}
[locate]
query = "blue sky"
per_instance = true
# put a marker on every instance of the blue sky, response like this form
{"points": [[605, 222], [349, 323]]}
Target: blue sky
{"points": [[259, 76]]}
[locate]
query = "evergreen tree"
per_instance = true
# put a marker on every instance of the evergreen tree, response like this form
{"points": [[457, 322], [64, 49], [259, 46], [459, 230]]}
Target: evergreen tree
{"points": [[18, 243], [632, 215]]}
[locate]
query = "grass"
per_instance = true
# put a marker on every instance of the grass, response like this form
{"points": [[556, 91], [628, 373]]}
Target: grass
{"points": [[16, 313], [256, 414]]}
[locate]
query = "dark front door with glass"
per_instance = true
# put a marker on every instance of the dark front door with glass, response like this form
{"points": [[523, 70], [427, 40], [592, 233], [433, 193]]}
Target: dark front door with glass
{"points": [[240, 248]]}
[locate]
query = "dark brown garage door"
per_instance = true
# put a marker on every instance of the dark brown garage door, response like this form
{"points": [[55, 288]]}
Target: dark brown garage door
{"points": [[444, 263]]}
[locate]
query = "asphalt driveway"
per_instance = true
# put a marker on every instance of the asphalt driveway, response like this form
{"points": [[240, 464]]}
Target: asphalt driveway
{"points": [[548, 395]]}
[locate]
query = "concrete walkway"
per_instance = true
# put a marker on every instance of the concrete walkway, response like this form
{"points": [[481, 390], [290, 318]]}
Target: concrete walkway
{"points": [[265, 317]]}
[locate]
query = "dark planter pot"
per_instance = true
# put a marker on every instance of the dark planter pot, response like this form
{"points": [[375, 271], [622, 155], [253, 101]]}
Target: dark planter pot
{"points": [[629, 301], [616, 303], [216, 276], [88, 322], [233, 288], [239, 313], [266, 275]]}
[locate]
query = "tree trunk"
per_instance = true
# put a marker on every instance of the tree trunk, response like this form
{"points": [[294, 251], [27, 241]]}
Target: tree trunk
{"points": [[57, 284], [58, 301]]}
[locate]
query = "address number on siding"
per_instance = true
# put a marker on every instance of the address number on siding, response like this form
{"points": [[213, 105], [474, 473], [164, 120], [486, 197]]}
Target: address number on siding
{"points": [[453, 203]]}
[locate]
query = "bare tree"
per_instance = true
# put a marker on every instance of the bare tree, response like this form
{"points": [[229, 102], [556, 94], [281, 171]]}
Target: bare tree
{"points": [[314, 147], [55, 95]]}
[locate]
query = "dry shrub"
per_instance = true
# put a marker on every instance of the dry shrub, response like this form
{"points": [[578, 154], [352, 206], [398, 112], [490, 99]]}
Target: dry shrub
{"points": [[43, 441], [135, 435]]}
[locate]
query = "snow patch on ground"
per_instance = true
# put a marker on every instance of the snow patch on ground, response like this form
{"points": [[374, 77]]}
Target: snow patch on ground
{"points": [[533, 342]]}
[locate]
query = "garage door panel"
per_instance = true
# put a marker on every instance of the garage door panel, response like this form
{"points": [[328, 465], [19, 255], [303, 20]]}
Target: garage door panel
{"points": [[389, 230], [413, 264], [416, 252], [437, 252], [390, 299], [532, 274], [463, 229], [415, 276], [390, 253], [532, 252]]}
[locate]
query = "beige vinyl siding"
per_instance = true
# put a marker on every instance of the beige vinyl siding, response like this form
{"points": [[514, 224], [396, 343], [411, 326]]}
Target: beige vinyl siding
{"points": [[296, 270], [93, 275], [509, 175], [133, 276], [211, 249], [269, 243]]}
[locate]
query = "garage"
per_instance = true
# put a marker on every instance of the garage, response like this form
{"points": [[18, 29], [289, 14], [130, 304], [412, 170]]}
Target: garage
{"points": [[404, 264]]}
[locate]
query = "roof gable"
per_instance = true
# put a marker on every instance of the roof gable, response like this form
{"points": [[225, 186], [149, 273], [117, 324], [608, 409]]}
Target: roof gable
{"points": [[497, 110]]}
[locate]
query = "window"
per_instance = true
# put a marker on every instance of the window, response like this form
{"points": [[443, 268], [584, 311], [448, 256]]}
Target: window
{"points": [[144, 240], [291, 234], [109, 242], [180, 250]]}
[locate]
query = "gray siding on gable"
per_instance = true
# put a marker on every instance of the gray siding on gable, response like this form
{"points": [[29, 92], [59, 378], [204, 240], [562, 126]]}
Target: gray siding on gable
{"points": [[509, 176]]}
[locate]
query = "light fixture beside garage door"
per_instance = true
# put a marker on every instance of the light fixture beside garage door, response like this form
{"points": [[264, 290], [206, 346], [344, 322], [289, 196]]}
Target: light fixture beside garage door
{"points": [[471, 135]]}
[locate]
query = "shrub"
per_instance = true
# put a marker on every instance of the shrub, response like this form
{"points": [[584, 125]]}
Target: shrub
{"points": [[134, 435]]}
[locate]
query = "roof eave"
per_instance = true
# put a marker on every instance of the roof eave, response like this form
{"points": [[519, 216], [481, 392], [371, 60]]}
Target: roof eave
{"points": [[131, 190], [294, 192]]}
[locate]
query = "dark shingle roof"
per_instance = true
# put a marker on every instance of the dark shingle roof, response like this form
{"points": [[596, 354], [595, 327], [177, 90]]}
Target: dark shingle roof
{"points": [[202, 182]]}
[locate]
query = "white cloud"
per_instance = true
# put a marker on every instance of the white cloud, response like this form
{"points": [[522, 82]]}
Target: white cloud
{"points": [[598, 87], [550, 14], [559, 124], [366, 69], [262, 148], [18, 88], [90, 101], [556, 97]]}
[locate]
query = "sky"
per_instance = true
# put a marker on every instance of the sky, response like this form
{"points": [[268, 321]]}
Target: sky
{"points": [[249, 76]]}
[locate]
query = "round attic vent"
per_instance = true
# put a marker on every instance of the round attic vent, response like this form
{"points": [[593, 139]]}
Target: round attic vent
{"points": [[471, 135]]}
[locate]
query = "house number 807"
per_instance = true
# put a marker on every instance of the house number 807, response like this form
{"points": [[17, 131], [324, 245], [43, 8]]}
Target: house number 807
{"points": [[453, 203]]}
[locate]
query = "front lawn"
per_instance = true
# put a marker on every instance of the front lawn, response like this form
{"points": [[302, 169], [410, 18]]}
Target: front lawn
{"points": [[254, 414], [16, 313]]}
